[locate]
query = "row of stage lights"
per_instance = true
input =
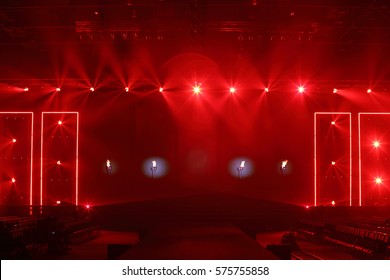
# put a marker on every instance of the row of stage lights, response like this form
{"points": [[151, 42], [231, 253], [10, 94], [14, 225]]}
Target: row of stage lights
{"points": [[375, 144], [197, 89]]}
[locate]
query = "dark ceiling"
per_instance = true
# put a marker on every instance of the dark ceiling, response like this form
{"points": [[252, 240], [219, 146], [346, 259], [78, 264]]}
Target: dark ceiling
{"points": [[32, 31], [319, 21]]}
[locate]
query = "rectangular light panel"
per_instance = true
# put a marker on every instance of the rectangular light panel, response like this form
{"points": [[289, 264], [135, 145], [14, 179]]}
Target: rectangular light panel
{"points": [[31, 149], [315, 153], [76, 155]]}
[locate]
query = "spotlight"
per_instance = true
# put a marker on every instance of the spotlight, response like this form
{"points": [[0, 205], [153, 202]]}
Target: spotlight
{"points": [[333, 162], [26, 89], [378, 180], [197, 88], [59, 122], [335, 90], [232, 90], [92, 89], [376, 144], [333, 203], [154, 168], [87, 206], [301, 89], [161, 89], [58, 89], [241, 168], [13, 180], [307, 206], [283, 167], [108, 166], [14, 140], [333, 122], [127, 89], [369, 90], [266, 89], [58, 162], [58, 202]]}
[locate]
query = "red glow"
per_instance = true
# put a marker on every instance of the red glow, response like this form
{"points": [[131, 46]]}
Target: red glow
{"points": [[92, 89], [333, 122], [335, 90], [369, 90], [26, 89], [58, 202], [87, 206], [333, 162], [376, 144], [232, 90], [127, 89], [58, 89], [333, 203], [14, 140], [59, 122], [266, 89], [161, 89], [58, 162], [301, 89], [307, 206], [13, 180]]}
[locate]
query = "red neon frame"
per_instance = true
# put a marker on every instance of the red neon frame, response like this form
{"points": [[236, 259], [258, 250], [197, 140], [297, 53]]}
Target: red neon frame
{"points": [[360, 151], [315, 152], [77, 157], [31, 149]]}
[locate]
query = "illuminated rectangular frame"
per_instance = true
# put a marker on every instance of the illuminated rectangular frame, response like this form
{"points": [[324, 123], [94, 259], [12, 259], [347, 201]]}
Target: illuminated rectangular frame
{"points": [[31, 149], [77, 157], [315, 152], [360, 152]]}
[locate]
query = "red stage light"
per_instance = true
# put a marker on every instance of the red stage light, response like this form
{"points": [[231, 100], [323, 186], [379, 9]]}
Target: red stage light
{"points": [[232, 90], [59, 122], [335, 90], [307, 206], [301, 89], [369, 90], [26, 89], [333, 122], [333, 162], [126, 89], [378, 180], [161, 89], [266, 89], [58, 89], [333, 203], [13, 180], [92, 89], [14, 140], [58, 202], [87, 206], [197, 89], [58, 162], [376, 144]]}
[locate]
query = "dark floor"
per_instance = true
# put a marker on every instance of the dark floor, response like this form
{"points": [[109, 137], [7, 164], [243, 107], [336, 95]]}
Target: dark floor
{"points": [[209, 242]]}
